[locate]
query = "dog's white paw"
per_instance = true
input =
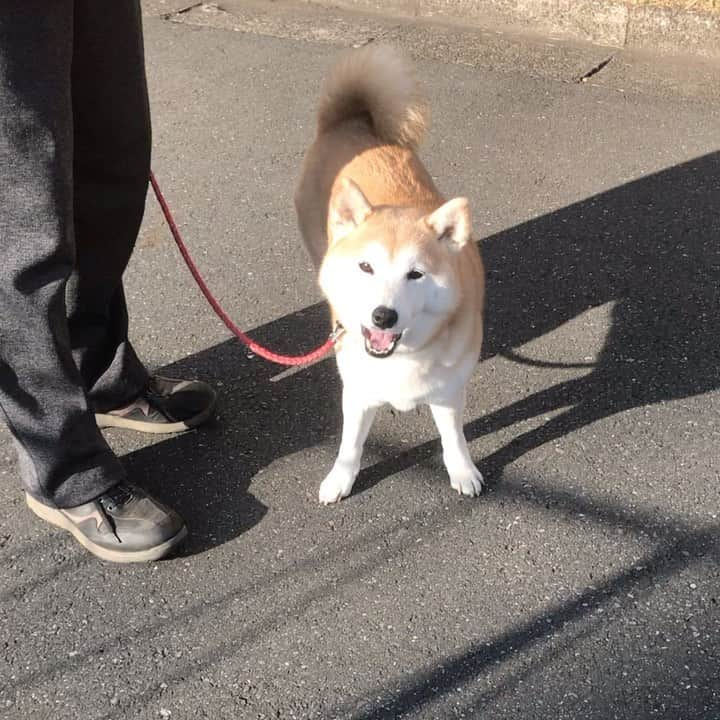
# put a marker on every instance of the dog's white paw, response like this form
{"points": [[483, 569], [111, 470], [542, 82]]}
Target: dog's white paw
{"points": [[335, 486], [467, 480]]}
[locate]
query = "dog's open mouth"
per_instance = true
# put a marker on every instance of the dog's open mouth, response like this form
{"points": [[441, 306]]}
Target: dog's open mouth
{"points": [[379, 343]]}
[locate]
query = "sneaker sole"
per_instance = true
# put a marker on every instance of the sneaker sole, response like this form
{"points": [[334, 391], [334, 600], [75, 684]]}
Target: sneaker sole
{"points": [[107, 420], [59, 519]]}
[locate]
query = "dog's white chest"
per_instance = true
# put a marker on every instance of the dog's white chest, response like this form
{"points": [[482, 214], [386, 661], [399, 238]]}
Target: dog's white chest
{"points": [[403, 381]]}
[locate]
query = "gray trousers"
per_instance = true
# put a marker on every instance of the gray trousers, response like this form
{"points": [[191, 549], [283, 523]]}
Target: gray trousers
{"points": [[74, 167]]}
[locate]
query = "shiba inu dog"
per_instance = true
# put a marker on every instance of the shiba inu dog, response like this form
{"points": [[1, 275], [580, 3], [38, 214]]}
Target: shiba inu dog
{"points": [[396, 262]]}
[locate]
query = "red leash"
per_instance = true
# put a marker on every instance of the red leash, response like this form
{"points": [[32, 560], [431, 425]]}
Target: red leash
{"points": [[263, 352]]}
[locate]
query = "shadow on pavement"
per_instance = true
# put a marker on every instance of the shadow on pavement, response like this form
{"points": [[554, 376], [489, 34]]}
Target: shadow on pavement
{"points": [[259, 421], [650, 247]]}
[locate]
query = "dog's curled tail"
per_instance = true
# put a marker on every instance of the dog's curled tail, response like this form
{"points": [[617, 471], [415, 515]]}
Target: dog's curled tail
{"points": [[379, 82]]}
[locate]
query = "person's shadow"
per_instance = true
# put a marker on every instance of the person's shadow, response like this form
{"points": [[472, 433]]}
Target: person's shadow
{"points": [[205, 474], [650, 247]]}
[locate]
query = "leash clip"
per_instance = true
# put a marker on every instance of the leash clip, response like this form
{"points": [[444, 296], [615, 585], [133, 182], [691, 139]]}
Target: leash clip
{"points": [[337, 332]]}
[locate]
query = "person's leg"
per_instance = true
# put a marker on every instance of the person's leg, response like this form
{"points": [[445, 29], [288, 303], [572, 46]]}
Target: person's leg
{"points": [[64, 460], [71, 476], [112, 167], [111, 170]]}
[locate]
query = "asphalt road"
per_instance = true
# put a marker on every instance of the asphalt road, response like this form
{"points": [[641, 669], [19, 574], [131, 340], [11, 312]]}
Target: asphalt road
{"points": [[584, 583]]}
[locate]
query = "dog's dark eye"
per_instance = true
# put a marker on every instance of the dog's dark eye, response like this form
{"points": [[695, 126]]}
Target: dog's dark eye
{"points": [[366, 268], [414, 275]]}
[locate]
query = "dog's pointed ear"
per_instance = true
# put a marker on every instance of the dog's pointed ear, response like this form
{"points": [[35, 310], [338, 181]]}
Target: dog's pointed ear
{"points": [[348, 208], [452, 222]]}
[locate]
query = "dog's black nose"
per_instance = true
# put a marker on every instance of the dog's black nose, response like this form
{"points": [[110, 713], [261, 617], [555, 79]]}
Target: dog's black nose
{"points": [[384, 317]]}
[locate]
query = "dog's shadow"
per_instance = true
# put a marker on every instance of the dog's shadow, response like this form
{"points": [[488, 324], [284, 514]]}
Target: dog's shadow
{"points": [[650, 247]]}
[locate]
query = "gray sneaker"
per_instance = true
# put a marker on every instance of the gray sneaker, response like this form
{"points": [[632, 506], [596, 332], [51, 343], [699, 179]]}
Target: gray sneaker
{"points": [[123, 525], [165, 406]]}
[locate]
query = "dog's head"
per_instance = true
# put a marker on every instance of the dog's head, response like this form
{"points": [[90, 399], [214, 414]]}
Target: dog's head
{"points": [[390, 273]]}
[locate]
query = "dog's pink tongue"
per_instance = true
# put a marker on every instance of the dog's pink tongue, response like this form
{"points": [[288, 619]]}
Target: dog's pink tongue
{"points": [[381, 340]]}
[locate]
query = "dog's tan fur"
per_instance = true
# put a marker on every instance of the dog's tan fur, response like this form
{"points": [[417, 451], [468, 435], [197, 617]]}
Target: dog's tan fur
{"points": [[363, 172], [370, 120]]}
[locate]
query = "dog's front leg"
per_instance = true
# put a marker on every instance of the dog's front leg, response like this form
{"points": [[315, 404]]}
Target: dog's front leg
{"points": [[357, 419], [464, 476]]}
